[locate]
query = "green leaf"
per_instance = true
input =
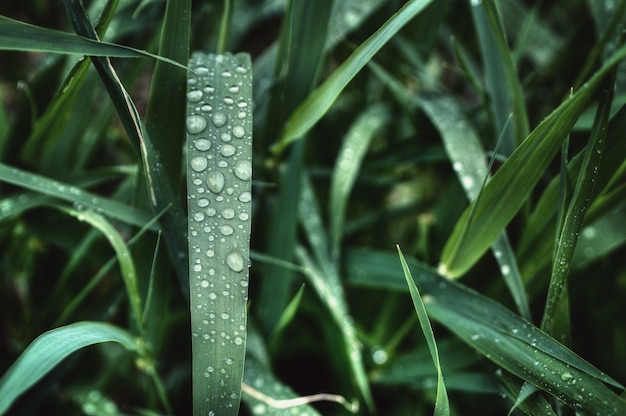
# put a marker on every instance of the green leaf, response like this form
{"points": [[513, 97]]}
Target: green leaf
{"points": [[318, 102], [20, 36], [442, 405], [49, 349], [511, 185], [219, 176]]}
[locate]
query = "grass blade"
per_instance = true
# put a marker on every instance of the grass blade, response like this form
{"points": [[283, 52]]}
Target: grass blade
{"points": [[20, 36], [509, 188], [318, 102], [442, 406], [49, 349], [219, 174]]}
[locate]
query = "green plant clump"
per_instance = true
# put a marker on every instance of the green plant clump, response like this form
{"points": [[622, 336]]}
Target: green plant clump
{"points": [[431, 216]]}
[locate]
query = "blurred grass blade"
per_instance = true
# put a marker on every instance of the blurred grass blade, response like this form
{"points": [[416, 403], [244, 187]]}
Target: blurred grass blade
{"points": [[161, 193], [219, 176], [557, 291], [499, 334], [45, 186], [124, 258], [509, 188], [502, 83], [347, 166], [442, 405], [49, 349], [20, 36], [320, 100]]}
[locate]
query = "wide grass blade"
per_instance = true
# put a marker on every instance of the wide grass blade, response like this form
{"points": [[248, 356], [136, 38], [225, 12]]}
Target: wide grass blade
{"points": [[573, 222], [219, 176], [442, 405], [49, 349], [509, 188], [20, 36], [497, 333], [318, 102]]}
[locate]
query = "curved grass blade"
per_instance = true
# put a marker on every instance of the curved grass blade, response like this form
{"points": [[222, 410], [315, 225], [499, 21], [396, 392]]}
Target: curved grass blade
{"points": [[347, 166], [49, 349], [509, 188], [442, 405], [320, 100], [219, 174], [20, 36]]}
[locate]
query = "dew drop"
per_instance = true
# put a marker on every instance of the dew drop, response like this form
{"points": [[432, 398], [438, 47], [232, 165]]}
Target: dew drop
{"points": [[241, 114], [234, 260], [199, 163], [198, 216], [211, 211], [242, 104], [194, 96], [201, 70], [203, 202], [243, 216], [233, 89], [227, 150], [238, 340], [215, 182], [241, 69], [226, 137], [222, 164], [243, 170], [226, 230], [203, 144], [239, 132], [228, 213], [226, 74], [196, 124], [213, 295], [206, 108], [228, 101], [225, 315], [218, 119], [204, 283], [245, 197]]}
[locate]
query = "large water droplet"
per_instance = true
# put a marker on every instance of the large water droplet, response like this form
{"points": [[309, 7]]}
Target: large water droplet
{"points": [[199, 163], [234, 260], [196, 124], [227, 150], [194, 96], [226, 230], [243, 170], [233, 89], [215, 181], [219, 119], [198, 216], [239, 132], [203, 202], [228, 213], [201, 70], [203, 144], [226, 137], [245, 197]]}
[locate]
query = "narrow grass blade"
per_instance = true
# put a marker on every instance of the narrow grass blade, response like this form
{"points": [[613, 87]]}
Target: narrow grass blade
{"points": [[318, 102], [499, 334], [509, 188], [165, 117], [574, 220], [219, 175], [20, 36], [124, 258], [52, 347], [347, 166], [442, 405], [75, 195], [161, 193]]}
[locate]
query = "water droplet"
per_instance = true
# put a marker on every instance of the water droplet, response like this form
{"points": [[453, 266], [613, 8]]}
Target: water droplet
{"points": [[474, 337], [228, 213], [203, 144], [204, 283], [505, 269], [213, 295], [203, 202], [243, 216], [211, 211], [215, 181], [225, 137], [243, 170], [239, 132], [227, 150], [380, 356], [245, 197], [209, 89], [238, 340], [225, 315], [234, 260], [201, 70], [241, 69], [198, 216], [226, 74], [468, 182], [199, 163], [457, 166], [196, 124], [567, 376], [226, 230], [233, 89], [242, 104], [228, 101], [241, 114], [223, 164], [219, 119], [206, 108], [194, 96]]}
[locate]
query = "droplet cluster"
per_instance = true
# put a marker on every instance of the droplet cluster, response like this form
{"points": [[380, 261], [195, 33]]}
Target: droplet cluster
{"points": [[219, 146]]}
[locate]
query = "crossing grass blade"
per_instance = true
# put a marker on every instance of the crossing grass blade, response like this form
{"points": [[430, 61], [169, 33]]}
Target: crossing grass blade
{"points": [[52, 347], [442, 405], [219, 175], [503, 337], [320, 100], [20, 36], [509, 188]]}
